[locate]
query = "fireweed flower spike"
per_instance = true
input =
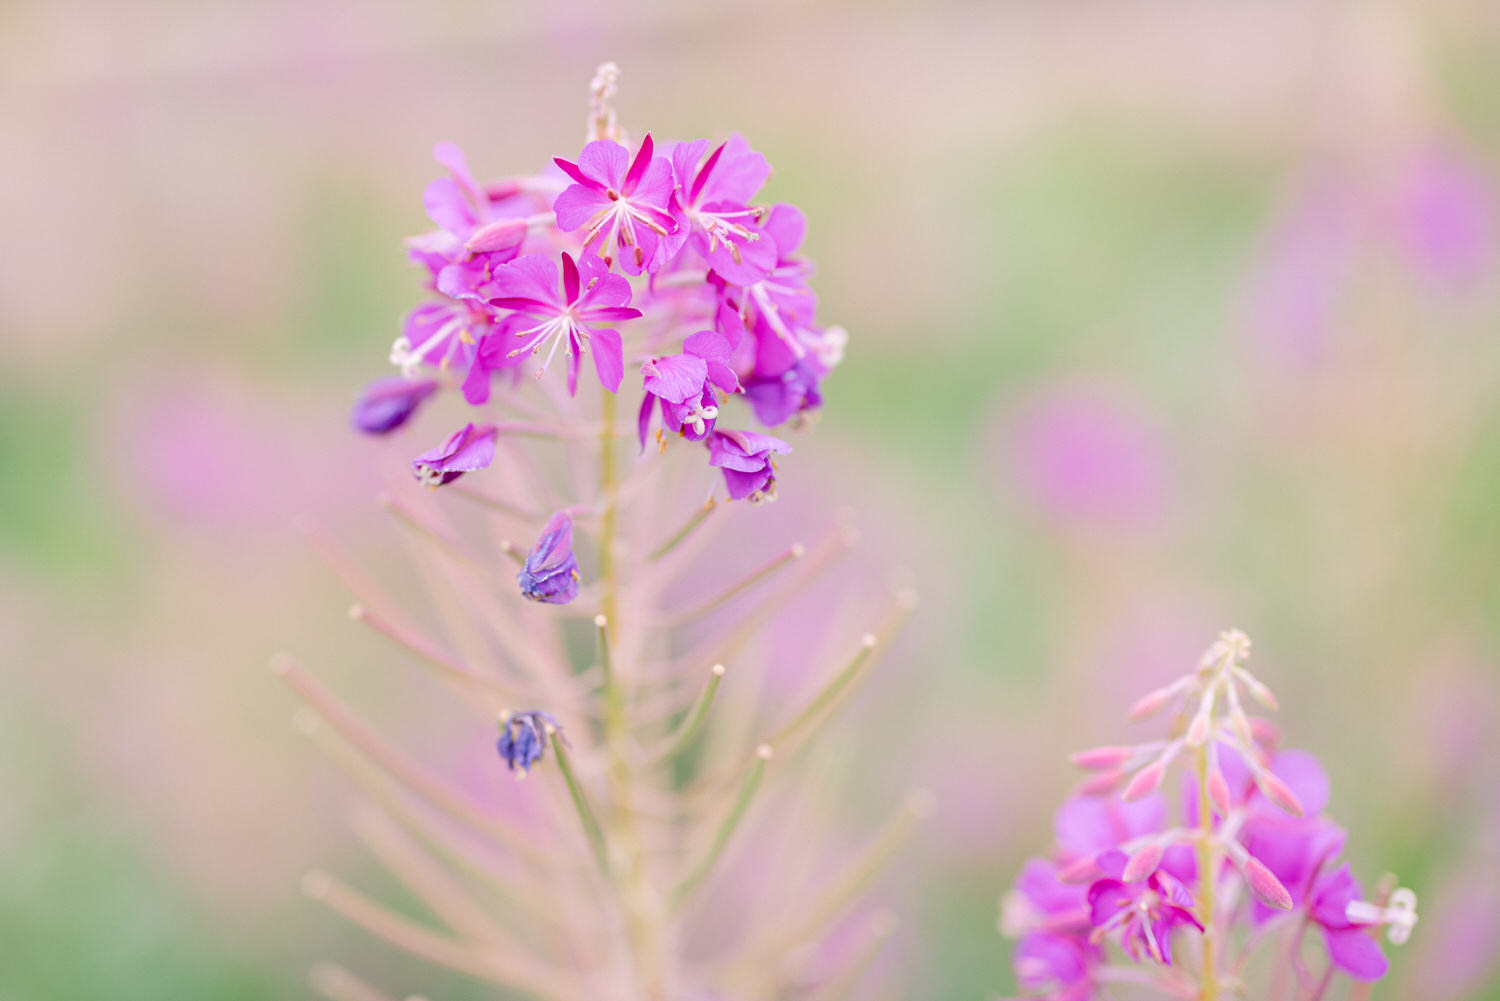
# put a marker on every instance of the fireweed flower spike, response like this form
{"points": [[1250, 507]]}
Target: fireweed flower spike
{"points": [[619, 870], [1127, 881]]}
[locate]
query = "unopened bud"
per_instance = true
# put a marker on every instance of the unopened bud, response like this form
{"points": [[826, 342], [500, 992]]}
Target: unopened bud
{"points": [[1143, 863], [1146, 781], [502, 234], [1265, 885], [1279, 792], [1102, 782], [1102, 757], [1218, 792]]}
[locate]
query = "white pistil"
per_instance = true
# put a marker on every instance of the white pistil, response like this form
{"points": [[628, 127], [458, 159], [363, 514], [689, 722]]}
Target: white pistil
{"points": [[1400, 915], [409, 360]]}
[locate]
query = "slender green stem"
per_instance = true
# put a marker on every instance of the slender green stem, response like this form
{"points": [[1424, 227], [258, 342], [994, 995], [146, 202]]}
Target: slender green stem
{"points": [[683, 736], [787, 556], [1207, 876], [678, 537], [731, 821], [580, 803]]}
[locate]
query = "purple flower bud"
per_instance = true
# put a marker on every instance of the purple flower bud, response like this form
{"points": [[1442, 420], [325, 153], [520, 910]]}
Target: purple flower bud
{"points": [[469, 448], [745, 458], [551, 571], [389, 403], [523, 738]]}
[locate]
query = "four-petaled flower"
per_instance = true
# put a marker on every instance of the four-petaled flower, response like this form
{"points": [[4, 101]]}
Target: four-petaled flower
{"points": [[1350, 945], [1145, 912], [469, 448], [745, 458], [524, 736], [713, 196], [622, 207], [590, 295], [550, 573], [684, 384]]}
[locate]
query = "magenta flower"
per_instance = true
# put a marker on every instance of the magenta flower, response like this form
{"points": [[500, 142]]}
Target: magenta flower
{"points": [[624, 207], [1058, 967], [1144, 912], [469, 448], [684, 385], [1351, 946], [713, 195], [745, 458], [777, 399], [590, 295], [550, 574], [388, 403]]}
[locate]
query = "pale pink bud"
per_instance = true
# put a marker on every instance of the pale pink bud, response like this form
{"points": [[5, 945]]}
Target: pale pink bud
{"points": [[1265, 885], [1084, 870], [1279, 792], [1151, 702], [502, 234], [1266, 733], [1102, 782], [1146, 781], [1218, 792], [1143, 863], [1198, 731], [1102, 757]]}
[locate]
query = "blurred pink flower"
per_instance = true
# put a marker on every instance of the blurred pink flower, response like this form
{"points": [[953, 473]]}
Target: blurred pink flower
{"points": [[1085, 455], [1444, 217]]}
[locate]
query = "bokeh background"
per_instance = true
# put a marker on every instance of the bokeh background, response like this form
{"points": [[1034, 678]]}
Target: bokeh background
{"points": [[1164, 317]]}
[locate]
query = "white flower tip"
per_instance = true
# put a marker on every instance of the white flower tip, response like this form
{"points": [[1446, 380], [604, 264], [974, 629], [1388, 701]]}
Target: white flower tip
{"points": [[764, 752], [356, 611], [600, 622], [868, 641], [316, 884], [717, 670], [797, 550]]}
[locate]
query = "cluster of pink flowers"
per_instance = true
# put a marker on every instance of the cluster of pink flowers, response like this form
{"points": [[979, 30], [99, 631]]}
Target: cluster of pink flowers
{"points": [[1206, 901], [652, 258]]}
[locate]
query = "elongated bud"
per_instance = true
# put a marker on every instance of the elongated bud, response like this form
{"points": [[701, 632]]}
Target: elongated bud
{"points": [[1084, 870], [1146, 781], [1267, 734], [1102, 782], [1153, 701], [502, 234], [1265, 885], [1102, 757], [1278, 792], [1143, 863], [1198, 732], [1218, 792]]}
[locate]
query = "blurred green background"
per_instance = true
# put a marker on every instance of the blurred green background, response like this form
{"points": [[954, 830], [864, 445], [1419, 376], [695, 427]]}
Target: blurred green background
{"points": [[1164, 317]]}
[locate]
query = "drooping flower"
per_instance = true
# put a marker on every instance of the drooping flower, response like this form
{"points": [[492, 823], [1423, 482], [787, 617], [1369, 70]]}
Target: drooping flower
{"points": [[624, 204], [550, 573], [713, 194], [1144, 912], [684, 386], [524, 737], [590, 295], [745, 458], [388, 403], [469, 448]]}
